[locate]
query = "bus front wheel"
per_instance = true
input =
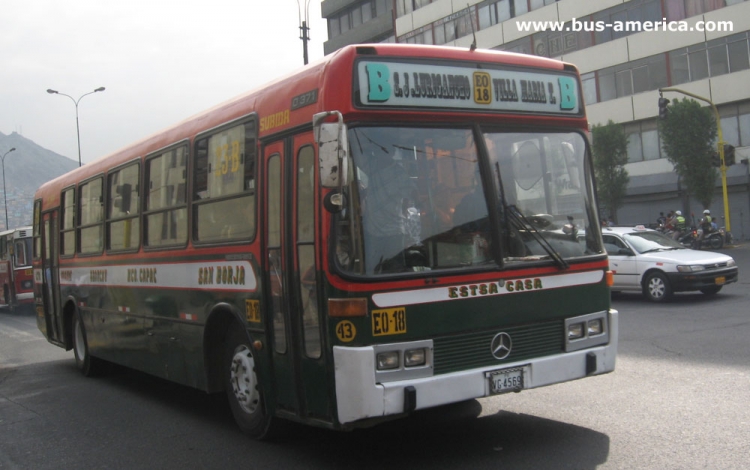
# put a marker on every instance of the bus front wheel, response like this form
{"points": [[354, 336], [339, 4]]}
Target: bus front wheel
{"points": [[243, 389], [88, 365]]}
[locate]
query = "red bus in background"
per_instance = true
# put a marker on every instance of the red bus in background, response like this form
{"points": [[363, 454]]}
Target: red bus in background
{"points": [[16, 275]]}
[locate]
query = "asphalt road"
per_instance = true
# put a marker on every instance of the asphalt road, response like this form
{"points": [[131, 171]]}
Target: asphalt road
{"points": [[677, 400]]}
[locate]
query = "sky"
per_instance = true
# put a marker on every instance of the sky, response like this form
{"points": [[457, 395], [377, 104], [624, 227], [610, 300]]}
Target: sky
{"points": [[160, 61]]}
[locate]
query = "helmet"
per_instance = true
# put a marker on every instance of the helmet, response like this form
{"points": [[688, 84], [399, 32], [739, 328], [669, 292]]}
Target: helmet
{"points": [[706, 211], [678, 213]]}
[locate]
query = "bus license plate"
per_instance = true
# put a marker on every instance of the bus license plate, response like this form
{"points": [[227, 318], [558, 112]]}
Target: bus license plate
{"points": [[508, 380], [720, 280], [389, 321]]}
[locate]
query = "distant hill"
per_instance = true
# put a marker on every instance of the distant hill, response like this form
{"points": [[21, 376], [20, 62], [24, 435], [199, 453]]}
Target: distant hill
{"points": [[27, 168]]}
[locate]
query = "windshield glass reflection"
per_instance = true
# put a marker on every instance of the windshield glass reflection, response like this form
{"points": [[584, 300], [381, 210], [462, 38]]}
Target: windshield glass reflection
{"points": [[420, 199]]}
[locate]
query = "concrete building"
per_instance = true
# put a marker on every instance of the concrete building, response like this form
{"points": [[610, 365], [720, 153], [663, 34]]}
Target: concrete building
{"points": [[625, 51]]}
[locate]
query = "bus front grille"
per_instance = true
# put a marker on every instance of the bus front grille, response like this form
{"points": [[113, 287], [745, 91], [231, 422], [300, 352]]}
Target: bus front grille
{"points": [[472, 350]]}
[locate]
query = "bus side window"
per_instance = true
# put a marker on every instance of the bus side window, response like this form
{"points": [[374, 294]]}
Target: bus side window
{"points": [[224, 186], [20, 253], [123, 229], [165, 206], [90, 222]]}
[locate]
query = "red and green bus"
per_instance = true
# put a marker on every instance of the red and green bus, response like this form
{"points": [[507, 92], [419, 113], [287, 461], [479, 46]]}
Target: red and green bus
{"points": [[392, 228], [16, 276]]}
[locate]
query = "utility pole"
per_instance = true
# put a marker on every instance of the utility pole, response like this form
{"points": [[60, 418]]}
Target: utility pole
{"points": [[304, 30]]}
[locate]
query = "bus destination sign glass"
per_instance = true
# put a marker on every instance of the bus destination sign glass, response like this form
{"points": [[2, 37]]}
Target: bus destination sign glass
{"points": [[396, 84]]}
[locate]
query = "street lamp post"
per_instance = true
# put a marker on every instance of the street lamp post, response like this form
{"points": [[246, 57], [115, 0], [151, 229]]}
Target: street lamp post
{"points": [[5, 197], [78, 130]]}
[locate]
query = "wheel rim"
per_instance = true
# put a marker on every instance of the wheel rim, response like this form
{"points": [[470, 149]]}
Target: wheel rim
{"points": [[244, 380], [80, 345], [656, 288]]}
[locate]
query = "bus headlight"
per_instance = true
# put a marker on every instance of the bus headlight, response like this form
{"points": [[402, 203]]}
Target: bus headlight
{"points": [[388, 360], [403, 361], [586, 331], [415, 357], [575, 331], [595, 327]]}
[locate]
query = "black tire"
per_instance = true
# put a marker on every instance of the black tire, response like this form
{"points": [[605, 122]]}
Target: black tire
{"points": [[656, 287], [716, 242], [88, 365], [713, 290], [244, 392]]}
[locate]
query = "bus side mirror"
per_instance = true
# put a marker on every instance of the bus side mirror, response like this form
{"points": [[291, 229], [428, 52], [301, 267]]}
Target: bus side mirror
{"points": [[332, 149]]}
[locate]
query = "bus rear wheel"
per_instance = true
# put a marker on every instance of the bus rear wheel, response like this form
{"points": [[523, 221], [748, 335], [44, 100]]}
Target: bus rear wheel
{"points": [[88, 365], [243, 388]]}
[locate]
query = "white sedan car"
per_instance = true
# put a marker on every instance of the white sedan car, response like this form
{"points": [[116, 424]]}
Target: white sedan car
{"points": [[644, 260]]}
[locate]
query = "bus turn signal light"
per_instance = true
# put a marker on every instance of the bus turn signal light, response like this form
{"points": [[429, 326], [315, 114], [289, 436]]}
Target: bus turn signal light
{"points": [[347, 307], [610, 276]]}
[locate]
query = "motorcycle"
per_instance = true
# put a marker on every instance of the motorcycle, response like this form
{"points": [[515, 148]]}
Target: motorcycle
{"points": [[713, 239]]}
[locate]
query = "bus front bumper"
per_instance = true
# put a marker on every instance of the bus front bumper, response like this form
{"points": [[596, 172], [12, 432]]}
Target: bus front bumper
{"points": [[360, 397]]}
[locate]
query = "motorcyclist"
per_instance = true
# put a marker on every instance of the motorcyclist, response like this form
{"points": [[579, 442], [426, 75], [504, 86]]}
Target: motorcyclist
{"points": [[669, 223], [705, 225], [679, 225], [706, 222]]}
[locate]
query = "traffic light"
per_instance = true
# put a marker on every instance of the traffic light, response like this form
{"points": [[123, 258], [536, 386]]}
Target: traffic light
{"points": [[729, 155], [663, 102], [715, 160]]}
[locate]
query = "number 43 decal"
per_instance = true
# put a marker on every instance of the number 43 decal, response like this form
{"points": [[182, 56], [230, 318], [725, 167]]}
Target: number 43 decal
{"points": [[345, 331]]}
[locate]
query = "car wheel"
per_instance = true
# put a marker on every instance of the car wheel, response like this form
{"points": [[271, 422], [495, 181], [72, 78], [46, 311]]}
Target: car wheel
{"points": [[711, 290], [656, 288], [243, 389]]}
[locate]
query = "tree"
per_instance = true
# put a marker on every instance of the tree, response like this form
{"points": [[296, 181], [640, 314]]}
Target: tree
{"points": [[610, 153], [687, 136]]}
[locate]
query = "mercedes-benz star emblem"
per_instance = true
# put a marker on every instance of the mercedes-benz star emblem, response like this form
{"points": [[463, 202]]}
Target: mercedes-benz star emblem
{"points": [[501, 345]]}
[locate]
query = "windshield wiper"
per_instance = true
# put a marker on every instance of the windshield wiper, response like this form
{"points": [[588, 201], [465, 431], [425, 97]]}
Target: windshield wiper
{"points": [[522, 222]]}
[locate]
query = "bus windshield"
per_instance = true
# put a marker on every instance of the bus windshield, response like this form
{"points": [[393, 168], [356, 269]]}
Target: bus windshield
{"points": [[425, 199]]}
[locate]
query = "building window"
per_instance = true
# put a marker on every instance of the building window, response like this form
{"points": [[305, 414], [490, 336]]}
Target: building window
{"points": [[334, 28], [718, 59], [679, 67], [635, 150], [607, 89], [404, 7], [737, 48], [624, 83], [730, 131], [650, 143], [744, 120], [588, 82], [698, 61], [519, 7], [367, 12]]}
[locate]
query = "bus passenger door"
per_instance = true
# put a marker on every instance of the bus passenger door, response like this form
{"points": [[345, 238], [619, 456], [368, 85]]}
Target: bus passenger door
{"points": [[299, 362], [51, 282], [275, 275], [306, 292]]}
